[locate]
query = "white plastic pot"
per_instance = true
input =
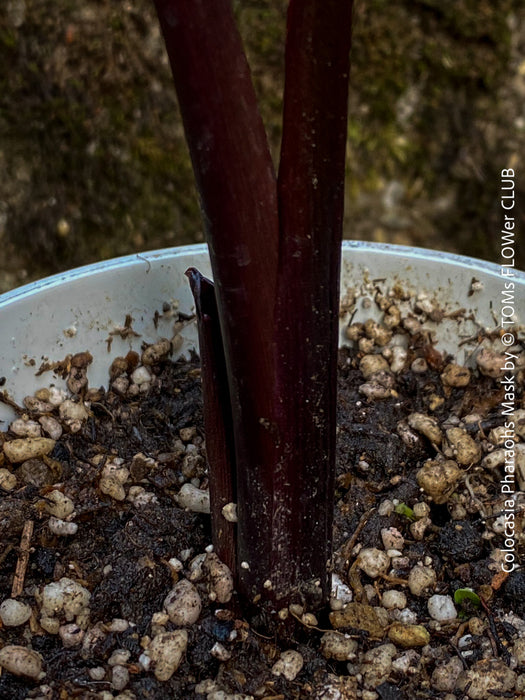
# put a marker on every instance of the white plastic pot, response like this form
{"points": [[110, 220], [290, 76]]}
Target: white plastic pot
{"points": [[82, 309]]}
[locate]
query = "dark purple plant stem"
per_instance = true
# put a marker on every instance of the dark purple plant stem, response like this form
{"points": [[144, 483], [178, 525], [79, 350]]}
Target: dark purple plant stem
{"points": [[275, 253], [311, 198], [238, 191], [217, 416]]}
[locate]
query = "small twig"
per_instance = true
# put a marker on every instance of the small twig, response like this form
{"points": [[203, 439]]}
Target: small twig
{"points": [[492, 633], [459, 633], [259, 634], [305, 624], [395, 580], [8, 401], [346, 550], [475, 499], [104, 408], [465, 691], [23, 559], [459, 655]]}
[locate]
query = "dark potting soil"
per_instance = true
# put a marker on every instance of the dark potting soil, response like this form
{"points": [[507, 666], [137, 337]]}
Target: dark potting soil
{"points": [[124, 550]]}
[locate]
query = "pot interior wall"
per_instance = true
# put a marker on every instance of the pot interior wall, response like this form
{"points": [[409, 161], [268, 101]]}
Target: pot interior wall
{"points": [[90, 308]]}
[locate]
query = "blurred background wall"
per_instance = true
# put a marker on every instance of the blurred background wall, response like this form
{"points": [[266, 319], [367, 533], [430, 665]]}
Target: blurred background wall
{"points": [[93, 162]]}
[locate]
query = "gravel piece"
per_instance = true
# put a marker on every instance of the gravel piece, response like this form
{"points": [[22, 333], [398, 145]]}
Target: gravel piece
{"points": [[221, 579], [518, 651], [7, 480], [35, 472], [97, 673], [112, 487], [156, 352], [229, 512], [419, 365], [288, 665], [392, 538], [393, 599], [427, 426], [421, 579], [358, 616], [119, 656], [372, 364], [194, 499], [62, 528], [406, 662], [73, 414], [373, 561], [445, 676], [438, 479], [140, 376], [14, 613], [377, 664], [65, 597], [419, 528], [421, 509], [441, 607], [488, 679], [51, 426], [166, 651], [58, 504], [399, 357], [341, 594], [21, 661], [25, 428], [455, 376], [466, 450], [71, 634], [335, 645], [490, 363], [183, 604], [21, 449], [407, 636], [119, 677]]}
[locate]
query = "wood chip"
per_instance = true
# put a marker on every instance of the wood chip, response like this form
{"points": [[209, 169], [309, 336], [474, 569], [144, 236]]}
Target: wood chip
{"points": [[23, 559]]}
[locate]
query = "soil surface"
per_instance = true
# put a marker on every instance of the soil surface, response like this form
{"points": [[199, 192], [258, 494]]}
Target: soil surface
{"points": [[108, 587]]}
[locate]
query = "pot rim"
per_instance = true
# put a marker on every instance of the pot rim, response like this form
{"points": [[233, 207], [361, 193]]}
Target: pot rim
{"points": [[406, 253]]}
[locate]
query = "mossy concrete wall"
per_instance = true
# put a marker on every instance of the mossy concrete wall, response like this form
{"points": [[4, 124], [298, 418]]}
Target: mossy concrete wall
{"points": [[93, 161]]}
